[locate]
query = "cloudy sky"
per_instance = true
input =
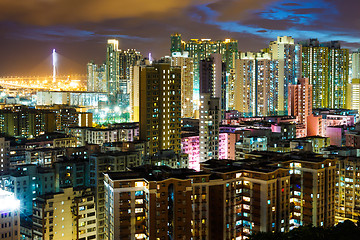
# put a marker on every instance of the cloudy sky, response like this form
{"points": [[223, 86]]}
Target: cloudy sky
{"points": [[78, 29]]}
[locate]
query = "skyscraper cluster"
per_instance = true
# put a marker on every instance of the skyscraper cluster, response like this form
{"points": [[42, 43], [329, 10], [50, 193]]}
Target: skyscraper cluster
{"points": [[113, 77], [219, 144]]}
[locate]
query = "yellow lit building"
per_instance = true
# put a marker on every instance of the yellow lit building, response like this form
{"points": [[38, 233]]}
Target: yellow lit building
{"points": [[187, 81], [347, 200], [256, 85], [160, 107], [327, 67], [313, 191], [287, 53], [353, 94], [66, 215]]}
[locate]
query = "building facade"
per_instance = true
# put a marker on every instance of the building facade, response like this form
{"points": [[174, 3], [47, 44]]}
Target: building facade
{"points": [[187, 82], [288, 55], [209, 127], [327, 67], [300, 100], [160, 107]]}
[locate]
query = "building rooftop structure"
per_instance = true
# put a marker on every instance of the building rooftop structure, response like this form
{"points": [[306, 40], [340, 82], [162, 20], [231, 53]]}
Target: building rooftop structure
{"points": [[154, 173]]}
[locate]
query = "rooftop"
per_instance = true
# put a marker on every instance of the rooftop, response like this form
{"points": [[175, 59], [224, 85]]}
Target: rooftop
{"points": [[154, 173]]}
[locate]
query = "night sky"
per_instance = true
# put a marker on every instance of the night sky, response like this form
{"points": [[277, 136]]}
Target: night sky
{"points": [[78, 29]]}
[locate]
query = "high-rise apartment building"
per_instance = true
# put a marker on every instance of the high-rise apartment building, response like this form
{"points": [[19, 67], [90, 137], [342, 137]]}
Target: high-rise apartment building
{"points": [[222, 202], [213, 79], [4, 156], [327, 67], [355, 65], [353, 94], [112, 69], [312, 195], [96, 77], [200, 49], [177, 45], [288, 55], [160, 107], [232, 91], [167, 202], [104, 162], [118, 72], [135, 90], [187, 82], [347, 201], [26, 122], [300, 100], [256, 85], [210, 117]]}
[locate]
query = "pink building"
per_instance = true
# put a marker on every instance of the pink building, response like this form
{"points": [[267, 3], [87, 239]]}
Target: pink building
{"points": [[300, 100], [223, 146], [301, 131], [335, 133], [227, 143], [190, 146], [315, 126]]}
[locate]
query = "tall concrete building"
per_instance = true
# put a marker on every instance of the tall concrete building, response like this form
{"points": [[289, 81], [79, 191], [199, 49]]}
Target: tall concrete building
{"points": [[327, 67], [287, 53], [177, 45], [213, 79], [312, 196], [355, 65], [256, 84], [353, 94], [347, 201], [186, 64], [23, 121], [200, 49], [135, 89], [271, 192], [312, 199], [96, 77], [118, 72], [300, 100], [104, 162], [112, 69], [160, 107], [210, 117], [4, 156], [232, 91], [222, 202]]}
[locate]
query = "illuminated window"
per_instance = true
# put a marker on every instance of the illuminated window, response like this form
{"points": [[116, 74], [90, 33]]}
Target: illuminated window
{"points": [[138, 210], [139, 184]]}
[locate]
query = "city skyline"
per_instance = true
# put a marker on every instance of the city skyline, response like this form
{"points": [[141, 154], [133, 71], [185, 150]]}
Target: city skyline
{"points": [[29, 31]]}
